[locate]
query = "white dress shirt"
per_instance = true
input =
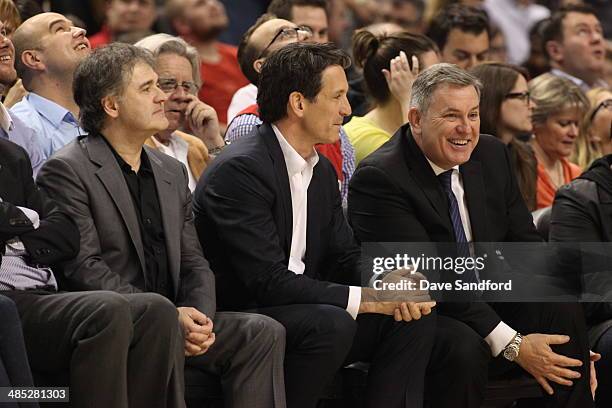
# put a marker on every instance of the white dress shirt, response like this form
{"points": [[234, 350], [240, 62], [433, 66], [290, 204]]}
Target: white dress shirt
{"points": [[177, 148], [300, 172], [502, 334]]}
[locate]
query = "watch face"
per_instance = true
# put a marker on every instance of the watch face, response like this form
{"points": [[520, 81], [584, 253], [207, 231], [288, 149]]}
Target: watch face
{"points": [[510, 353]]}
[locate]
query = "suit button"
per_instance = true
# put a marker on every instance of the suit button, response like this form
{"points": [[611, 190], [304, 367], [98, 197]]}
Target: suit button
{"points": [[12, 222], [39, 251], [147, 220]]}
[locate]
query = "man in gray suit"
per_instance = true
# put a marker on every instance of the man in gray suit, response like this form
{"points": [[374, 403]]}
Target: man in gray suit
{"points": [[132, 206]]}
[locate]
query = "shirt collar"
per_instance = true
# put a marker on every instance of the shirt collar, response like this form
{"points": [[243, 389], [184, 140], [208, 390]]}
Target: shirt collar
{"points": [[6, 122], [145, 165], [56, 114], [439, 170], [577, 81], [295, 163]]}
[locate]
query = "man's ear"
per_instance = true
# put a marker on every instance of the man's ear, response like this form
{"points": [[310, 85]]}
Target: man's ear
{"points": [[257, 64], [414, 118], [554, 50], [32, 60], [111, 106], [296, 104]]}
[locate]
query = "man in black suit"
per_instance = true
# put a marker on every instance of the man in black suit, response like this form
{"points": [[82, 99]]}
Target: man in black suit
{"points": [[439, 180], [269, 217]]}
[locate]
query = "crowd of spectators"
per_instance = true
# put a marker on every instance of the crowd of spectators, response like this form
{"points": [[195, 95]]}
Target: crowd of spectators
{"points": [[185, 184]]}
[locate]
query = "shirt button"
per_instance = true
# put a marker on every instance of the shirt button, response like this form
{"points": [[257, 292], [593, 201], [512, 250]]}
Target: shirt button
{"points": [[148, 220]]}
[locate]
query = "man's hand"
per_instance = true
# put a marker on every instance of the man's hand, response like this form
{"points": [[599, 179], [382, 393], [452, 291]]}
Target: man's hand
{"points": [[198, 329], [537, 358], [593, 357], [400, 78], [203, 121]]}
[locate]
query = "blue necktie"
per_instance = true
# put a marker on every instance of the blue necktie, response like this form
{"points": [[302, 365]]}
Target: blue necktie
{"points": [[463, 248]]}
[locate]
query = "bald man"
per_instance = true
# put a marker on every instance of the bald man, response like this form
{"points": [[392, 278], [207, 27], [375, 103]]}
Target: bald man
{"points": [[48, 48]]}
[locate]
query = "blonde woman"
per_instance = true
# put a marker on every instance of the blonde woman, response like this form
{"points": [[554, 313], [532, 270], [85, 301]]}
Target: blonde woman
{"points": [[594, 140], [559, 108]]}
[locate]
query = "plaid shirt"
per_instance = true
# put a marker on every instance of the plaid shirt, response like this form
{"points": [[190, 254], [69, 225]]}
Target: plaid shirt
{"points": [[242, 125]]}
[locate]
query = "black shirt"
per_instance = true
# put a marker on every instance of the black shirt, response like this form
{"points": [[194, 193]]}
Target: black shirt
{"points": [[146, 202]]}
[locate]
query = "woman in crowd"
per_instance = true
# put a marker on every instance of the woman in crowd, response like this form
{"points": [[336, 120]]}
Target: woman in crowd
{"points": [[14, 367], [505, 112], [388, 77], [582, 214], [559, 108], [595, 129]]}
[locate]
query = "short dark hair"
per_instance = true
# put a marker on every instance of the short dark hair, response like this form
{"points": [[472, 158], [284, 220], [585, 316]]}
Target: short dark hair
{"points": [[374, 54], [457, 16], [247, 52], [296, 67], [284, 8], [553, 29], [106, 71]]}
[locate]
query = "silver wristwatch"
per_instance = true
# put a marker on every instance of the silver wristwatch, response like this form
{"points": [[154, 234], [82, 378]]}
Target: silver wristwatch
{"points": [[511, 351]]}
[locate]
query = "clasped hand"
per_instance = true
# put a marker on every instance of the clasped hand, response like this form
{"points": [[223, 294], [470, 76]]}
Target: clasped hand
{"points": [[198, 330], [409, 304]]}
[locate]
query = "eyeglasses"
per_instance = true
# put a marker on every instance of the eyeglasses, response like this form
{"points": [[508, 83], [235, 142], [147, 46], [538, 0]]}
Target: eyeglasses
{"points": [[523, 96], [169, 85], [606, 104], [289, 33]]}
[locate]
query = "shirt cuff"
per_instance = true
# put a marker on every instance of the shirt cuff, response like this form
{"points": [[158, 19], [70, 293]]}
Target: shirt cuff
{"points": [[499, 338], [32, 215], [354, 300]]}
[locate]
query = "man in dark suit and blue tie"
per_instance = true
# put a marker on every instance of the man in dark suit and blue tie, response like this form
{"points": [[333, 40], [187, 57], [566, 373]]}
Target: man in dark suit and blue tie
{"points": [[438, 180]]}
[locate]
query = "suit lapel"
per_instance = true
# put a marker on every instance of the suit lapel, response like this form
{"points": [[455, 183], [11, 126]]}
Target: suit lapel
{"points": [[426, 179], [169, 207], [473, 185], [112, 178], [267, 134]]}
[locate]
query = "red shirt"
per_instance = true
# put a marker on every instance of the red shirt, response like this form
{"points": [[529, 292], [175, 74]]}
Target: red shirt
{"points": [[221, 80], [101, 38]]}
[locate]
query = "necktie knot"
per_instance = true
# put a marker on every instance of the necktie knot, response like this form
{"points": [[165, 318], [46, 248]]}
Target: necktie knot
{"points": [[445, 179]]}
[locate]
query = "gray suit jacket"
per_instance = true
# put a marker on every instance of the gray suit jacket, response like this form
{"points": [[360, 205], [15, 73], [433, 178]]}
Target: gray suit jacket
{"points": [[86, 180]]}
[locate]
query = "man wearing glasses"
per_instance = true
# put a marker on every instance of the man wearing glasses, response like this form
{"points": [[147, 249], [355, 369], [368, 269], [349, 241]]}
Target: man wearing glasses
{"points": [[177, 64]]}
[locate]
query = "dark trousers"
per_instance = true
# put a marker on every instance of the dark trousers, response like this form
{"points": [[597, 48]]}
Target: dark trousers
{"points": [[14, 367], [461, 361], [248, 356], [322, 338], [120, 350]]}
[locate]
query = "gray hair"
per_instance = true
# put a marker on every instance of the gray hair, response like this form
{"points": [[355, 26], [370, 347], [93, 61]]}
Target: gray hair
{"points": [[159, 44], [105, 72], [428, 81]]}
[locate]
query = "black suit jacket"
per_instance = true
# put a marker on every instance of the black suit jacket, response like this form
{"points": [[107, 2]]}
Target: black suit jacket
{"points": [[243, 216], [57, 237], [394, 196], [86, 180]]}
